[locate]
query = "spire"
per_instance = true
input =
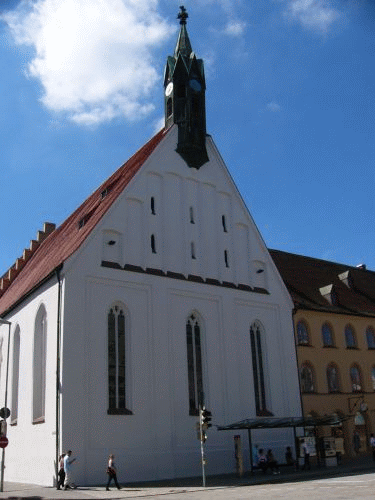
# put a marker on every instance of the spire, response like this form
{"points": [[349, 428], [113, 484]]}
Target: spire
{"points": [[184, 90], [183, 45]]}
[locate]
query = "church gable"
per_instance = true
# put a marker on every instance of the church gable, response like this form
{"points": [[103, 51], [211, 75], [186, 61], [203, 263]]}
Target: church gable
{"points": [[185, 222]]}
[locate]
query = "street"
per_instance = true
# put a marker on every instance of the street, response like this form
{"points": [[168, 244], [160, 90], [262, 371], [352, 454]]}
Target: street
{"points": [[351, 487]]}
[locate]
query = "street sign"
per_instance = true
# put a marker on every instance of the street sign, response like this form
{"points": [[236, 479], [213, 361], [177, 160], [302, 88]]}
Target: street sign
{"points": [[4, 412], [3, 441]]}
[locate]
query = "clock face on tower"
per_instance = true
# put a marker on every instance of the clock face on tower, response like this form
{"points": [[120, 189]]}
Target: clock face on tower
{"points": [[169, 89], [195, 85]]}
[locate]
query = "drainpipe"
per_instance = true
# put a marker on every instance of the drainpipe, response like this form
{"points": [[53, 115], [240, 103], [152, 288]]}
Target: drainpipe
{"points": [[294, 312], [58, 328]]}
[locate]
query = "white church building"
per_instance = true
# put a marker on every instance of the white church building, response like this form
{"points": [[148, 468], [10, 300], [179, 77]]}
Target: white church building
{"points": [[157, 295]]}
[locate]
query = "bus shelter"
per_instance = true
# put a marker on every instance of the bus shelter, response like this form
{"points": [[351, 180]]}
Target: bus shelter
{"points": [[286, 422]]}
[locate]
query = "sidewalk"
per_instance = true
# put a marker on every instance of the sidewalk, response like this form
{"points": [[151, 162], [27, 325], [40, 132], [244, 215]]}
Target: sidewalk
{"points": [[15, 491]]}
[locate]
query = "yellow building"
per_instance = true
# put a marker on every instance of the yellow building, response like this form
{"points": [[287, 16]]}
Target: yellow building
{"points": [[334, 321]]}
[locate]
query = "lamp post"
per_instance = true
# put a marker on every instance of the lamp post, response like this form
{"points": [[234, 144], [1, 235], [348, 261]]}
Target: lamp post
{"points": [[5, 322]]}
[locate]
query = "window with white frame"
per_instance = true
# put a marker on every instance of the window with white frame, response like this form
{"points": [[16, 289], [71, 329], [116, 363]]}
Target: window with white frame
{"points": [[15, 375], [258, 362], [194, 364], [39, 366], [117, 360]]}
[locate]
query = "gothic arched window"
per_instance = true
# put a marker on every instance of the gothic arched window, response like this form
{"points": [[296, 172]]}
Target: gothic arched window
{"points": [[307, 378], [257, 356], [350, 338], [194, 364], [39, 366], [302, 333], [370, 337], [15, 375], [373, 378], [333, 378], [356, 378], [327, 335], [117, 360]]}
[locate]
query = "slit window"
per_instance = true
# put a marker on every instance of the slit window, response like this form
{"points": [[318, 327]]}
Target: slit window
{"points": [[192, 248], [191, 215], [226, 258], [224, 223], [153, 212], [153, 244]]}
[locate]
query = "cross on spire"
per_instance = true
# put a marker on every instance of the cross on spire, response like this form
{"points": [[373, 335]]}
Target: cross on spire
{"points": [[183, 15]]}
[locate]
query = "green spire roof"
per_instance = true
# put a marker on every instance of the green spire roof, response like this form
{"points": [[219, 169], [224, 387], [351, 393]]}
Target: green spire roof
{"points": [[183, 45]]}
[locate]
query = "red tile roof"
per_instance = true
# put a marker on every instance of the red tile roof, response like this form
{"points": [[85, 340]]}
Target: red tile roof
{"points": [[68, 237], [353, 287]]}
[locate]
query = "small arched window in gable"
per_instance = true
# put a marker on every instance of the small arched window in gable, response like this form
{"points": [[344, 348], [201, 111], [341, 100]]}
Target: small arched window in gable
{"points": [[302, 333], [192, 250], [370, 337], [152, 203], [327, 335], [226, 258], [153, 243], [191, 215], [224, 223], [350, 338], [356, 378], [307, 378]]}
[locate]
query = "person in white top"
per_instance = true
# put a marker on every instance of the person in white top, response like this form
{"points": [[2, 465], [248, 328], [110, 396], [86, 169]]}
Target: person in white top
{"points": [[112, 472], [68, 470]]}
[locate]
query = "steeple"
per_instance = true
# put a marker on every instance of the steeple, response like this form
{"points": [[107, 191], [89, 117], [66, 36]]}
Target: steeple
{"points": [[185, 87]]}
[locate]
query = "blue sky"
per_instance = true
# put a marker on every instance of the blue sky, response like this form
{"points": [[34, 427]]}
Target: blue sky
{"points": [[290, 105]]}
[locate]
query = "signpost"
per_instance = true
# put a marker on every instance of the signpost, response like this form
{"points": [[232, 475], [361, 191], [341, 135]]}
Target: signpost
{"points": [[3, 441], [5, 412]]}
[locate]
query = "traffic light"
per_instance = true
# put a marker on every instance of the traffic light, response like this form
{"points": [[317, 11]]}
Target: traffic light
{"points": [[206, 417]]}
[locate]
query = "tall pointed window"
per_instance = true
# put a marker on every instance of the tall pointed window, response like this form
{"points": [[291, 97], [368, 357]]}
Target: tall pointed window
{"points": [[39, 366], [302, 333], [258, 370], [194, 364], [307, 378], [350, 338], [117, 361], [15, 375], [356, 378], [333, 378]]}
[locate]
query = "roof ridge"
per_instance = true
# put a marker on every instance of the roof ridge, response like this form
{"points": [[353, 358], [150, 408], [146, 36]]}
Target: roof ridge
{"points": [[73, 231]]}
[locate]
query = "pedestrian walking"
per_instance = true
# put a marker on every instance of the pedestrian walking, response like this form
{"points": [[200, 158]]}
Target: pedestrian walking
{"points": [[61, 472], [112, 472], [372, 444], [68, 470], [356, 442], [306, 455]]}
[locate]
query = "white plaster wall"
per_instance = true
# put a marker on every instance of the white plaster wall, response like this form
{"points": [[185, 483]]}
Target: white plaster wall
{"points": [[30, 454], [159, 439]]}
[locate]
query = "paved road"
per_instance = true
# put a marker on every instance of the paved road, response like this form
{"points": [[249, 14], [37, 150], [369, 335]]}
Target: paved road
{"points": [[354, 487]]}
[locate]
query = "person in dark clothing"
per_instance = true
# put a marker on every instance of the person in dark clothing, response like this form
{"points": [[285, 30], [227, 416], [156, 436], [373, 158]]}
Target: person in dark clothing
{"points": [[112, 473], [61, 472]]}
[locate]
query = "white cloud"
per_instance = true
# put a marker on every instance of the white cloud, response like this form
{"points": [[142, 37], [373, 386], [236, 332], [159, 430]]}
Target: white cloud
{"points": [[235, 28], [274, 107], [93, 58], [317, 15]]}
